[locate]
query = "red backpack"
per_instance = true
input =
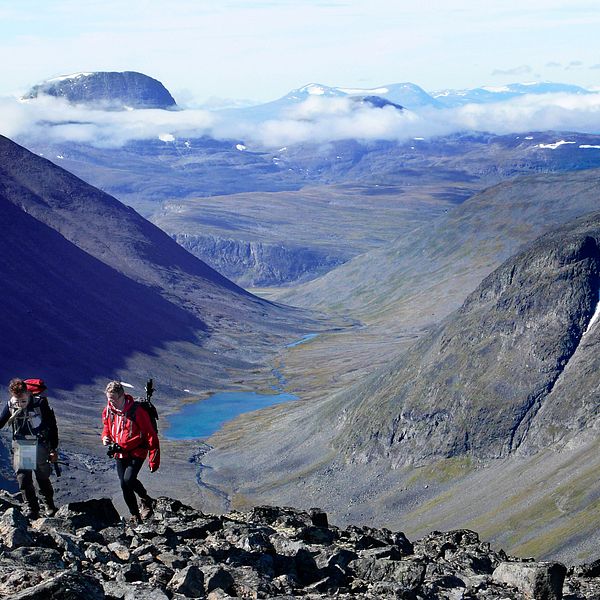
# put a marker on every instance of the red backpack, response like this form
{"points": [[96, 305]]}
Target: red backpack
{"points": [[35, 386]]}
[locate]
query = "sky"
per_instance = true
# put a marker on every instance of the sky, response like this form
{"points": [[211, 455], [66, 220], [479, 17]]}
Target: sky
{"points": [[259, 50], [210, 53]]}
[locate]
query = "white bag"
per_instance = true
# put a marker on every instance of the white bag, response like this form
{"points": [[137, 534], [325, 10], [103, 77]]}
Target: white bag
{"points": [[25, 454]]}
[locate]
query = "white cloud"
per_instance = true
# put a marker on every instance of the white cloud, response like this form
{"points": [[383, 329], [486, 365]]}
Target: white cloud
{"points": [[319, 119], [56, 120], [522, 70]]}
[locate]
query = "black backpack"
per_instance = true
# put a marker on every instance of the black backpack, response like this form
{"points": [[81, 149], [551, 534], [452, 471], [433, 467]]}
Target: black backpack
{"points": [[150, 410], [146, 404]]}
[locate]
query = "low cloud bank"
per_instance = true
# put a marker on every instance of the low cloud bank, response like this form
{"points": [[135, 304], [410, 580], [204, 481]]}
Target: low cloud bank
{"points": [[318, 119]]}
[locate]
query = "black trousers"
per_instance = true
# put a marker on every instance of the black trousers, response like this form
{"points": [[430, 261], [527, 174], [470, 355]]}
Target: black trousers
{"points": [[25, 479], [128, 469]]}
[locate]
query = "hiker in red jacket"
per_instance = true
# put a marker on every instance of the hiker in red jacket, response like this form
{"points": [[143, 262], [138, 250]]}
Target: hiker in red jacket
{"points": [[131, 437]]}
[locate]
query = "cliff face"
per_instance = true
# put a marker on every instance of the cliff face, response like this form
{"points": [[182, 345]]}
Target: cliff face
{"points": [[108, 89], [86, 552], [255, 263], [515, 358]]}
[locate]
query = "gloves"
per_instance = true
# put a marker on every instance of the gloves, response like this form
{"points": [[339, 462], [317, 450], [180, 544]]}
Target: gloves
{"points": [[153, 468], [52, 456]]}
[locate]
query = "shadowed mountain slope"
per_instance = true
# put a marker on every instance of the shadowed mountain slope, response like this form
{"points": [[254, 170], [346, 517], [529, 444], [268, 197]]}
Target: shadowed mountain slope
{"points": [[91, 270], [63, 309]]}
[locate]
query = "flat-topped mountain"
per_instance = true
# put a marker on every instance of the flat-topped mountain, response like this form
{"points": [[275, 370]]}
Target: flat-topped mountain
{"points": [[107, 89]]}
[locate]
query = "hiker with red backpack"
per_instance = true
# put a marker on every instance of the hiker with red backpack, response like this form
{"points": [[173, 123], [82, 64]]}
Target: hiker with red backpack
{"points": [[35, 440], [130, 436]]}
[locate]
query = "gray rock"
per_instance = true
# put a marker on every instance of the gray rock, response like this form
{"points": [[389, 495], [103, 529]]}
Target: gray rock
{"points": [[98, 553], [217, 577], [67, 585], [409, 573], [539, 581], [120, 551], [188, 581], [13, 529], [41, 558], [97, 513], [128, 591]]}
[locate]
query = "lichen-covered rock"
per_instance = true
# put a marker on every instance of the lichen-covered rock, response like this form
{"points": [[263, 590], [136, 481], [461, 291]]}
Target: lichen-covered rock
{"points": [[13, 529]]}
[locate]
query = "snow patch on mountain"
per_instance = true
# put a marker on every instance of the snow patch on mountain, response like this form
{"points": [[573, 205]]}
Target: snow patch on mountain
{"points": [[71, 76], [555, 145]]}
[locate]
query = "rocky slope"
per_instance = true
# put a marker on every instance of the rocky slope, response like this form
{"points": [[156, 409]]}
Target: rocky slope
{"points": [[254, 263], [87, 552], [107, 90]]}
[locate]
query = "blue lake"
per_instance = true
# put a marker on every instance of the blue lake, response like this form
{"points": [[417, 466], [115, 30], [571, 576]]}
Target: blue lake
{"points": [[207, 416]]}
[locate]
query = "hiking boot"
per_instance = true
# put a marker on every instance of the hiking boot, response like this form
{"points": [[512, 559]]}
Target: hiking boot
{"points": [[146, 507], [31, 513], [51, 509], [134, 520]]}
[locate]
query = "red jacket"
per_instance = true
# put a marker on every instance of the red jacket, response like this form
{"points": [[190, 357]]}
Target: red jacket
{"points": [[136, 436]]}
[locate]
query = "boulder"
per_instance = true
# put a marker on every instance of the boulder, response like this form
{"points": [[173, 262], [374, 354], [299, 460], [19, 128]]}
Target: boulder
{"points": [[97, 513], [13, 529], [536, 580], [188, 581], [68, 585]]}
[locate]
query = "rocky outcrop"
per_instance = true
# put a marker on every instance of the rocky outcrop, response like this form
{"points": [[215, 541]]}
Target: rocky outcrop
{"points": [[481, 380], [86, 551], [254, 263], [108, 90]]}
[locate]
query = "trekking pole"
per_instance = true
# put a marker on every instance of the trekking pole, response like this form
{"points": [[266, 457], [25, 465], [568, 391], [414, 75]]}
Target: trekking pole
{"points": [[56, 466]]}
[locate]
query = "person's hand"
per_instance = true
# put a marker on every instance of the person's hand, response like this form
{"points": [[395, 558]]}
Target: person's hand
{"points": [[105, 441], [53, 456], [153, 468]]}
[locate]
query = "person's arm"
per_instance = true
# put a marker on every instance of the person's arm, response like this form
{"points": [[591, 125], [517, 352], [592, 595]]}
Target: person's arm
{"points": [[106, 433]]}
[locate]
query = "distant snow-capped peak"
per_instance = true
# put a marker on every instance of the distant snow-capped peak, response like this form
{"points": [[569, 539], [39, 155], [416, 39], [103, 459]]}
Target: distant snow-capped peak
{"points": [[71, 76]]}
